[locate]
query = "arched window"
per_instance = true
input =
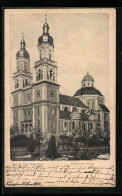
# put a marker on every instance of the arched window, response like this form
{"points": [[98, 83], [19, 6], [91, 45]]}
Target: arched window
{"points": [[83, 111], [48, 75], [38, 122], [65, 124], [84, 84], [88, 104], [74, 109], [79, 124], [93, 105], [38, 111], [39, 74], [26, 128], [51, 73], [49, 57], [22, 128], [26, 82], [54, 76], [66, 109], [73, 125], [90, 125]]}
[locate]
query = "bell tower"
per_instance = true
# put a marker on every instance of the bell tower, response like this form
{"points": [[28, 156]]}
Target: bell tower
{"points": [[22, 77], [46, 82], [22, 82]]}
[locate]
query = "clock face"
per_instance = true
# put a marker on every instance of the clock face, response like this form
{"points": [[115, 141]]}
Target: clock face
{"points": [[45, 38], [51, 93]]}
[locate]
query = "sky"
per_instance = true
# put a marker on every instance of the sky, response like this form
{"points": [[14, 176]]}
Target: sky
{"points": [[81, 44]]}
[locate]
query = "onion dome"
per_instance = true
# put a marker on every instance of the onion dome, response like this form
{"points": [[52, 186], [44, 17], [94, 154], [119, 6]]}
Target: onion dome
{"points": [[88, 91], [22, 53], [45, 38]]}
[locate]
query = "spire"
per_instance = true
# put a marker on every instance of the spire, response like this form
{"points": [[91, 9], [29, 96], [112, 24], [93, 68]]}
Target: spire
{"points": [[45, 18], [22, 35], [45, 26], [22, 43], [87, 73]]}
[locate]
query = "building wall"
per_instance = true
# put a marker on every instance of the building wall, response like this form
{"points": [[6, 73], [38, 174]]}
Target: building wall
{"points": [[52, 94], [37, 93], [53, 118], [26, 94]]}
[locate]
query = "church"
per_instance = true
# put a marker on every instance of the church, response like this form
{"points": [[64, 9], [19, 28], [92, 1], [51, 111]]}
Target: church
{"points": [[40, 104]]}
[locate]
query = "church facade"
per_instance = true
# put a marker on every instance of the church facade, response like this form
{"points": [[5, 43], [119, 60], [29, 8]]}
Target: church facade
{"points": [[40, 104]]}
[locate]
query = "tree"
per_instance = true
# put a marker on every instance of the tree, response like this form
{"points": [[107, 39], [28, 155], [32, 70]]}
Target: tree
{"points": [[52, 152], [13, 130], [38, 133]]}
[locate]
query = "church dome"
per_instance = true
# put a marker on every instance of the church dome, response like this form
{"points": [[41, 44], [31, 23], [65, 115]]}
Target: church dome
{"points": [[22, 53], [45, 38], [88, 91], [88, 78], [49, 40]]}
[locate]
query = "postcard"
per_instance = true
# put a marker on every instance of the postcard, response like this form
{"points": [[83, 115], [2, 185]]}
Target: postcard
{"points": [[60, 73]]}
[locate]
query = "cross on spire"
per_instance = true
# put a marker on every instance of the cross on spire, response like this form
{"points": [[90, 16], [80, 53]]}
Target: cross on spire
{"points": [[87, 73], [45, 18], [23, 35]]}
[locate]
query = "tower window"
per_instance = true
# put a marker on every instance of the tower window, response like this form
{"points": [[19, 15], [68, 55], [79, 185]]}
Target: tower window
{"points": [[88, 104], [84, 84], [28, 97], [39, 74], [48, 75], [26, 81], [54, 76], [52, 110], [73, 125], [98, 117], [66, 109], [90, 125], [38, 122], [28, 113], [38, 111], [51, 73], [38, 93], [93, 105], [65, 124], [49, 57], [25, 113]]}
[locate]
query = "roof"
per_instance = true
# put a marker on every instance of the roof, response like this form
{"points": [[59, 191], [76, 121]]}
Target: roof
{"points": [[104, 108], [88, 91], [88, 78], [49, 40], [64, 115], [45, 38], [22, 53], [67, 115], [68, 100]]}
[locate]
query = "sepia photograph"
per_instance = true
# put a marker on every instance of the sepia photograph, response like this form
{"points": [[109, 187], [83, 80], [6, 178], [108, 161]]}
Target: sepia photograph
{"points": [[60, 86]]}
